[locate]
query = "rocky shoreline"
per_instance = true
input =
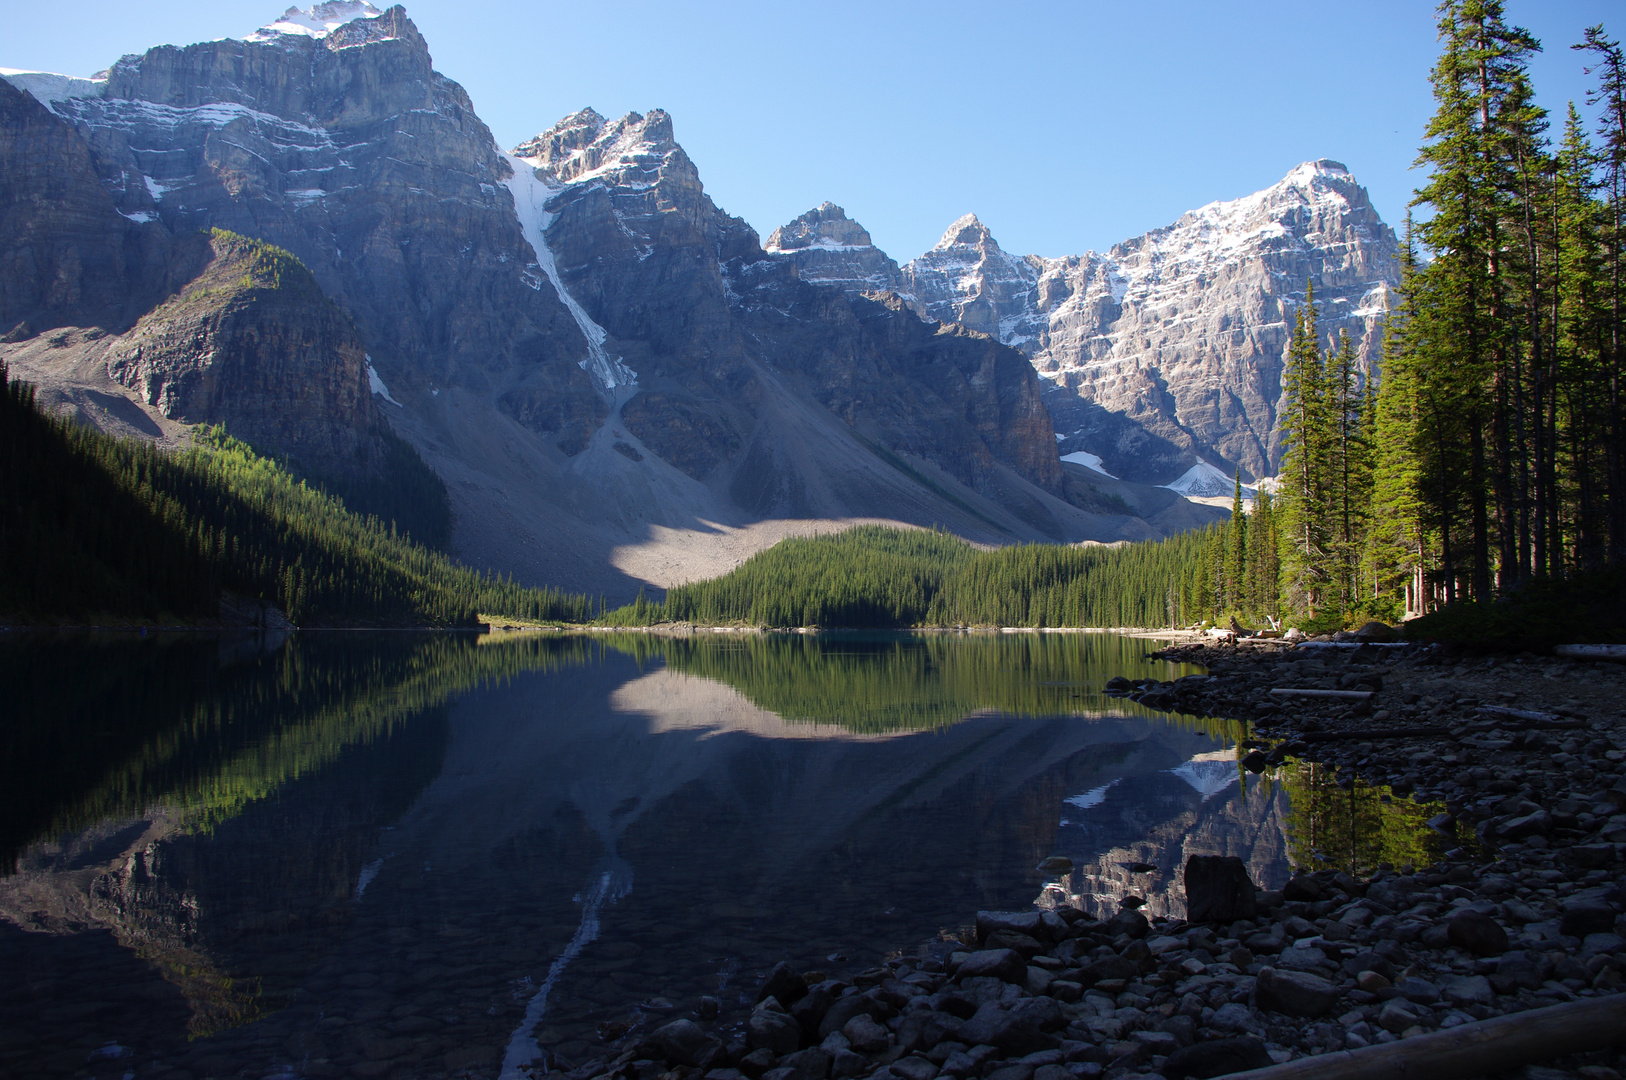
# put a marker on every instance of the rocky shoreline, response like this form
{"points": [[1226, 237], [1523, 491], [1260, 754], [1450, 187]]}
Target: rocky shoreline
{"points": [[1523, 910]]}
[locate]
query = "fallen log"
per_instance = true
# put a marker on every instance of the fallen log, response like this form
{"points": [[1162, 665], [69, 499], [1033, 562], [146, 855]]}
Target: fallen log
{"points": [[1532, 719], [1348, 695], [1499, 1045], [1352, 644], [1591, 652], [1377, 733]]}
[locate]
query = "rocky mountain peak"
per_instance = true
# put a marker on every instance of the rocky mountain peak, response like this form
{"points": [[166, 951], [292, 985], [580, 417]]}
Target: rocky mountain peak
{"points": [[967, 231], [829, 248], [636, 149], [1167, 350], [318, 21], [826, 225], [969, 279]]}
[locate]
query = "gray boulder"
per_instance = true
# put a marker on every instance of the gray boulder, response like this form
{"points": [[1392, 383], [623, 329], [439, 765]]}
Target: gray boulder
{"points": [[1005, 964], [1296, 993]]}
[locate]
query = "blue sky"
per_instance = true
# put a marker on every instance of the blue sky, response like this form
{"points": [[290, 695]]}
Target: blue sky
{"points": [[1064, 126]]}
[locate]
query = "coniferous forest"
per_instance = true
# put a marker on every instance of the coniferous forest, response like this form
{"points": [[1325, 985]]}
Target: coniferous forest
{"points": [[97, 527], [1488, 454]]}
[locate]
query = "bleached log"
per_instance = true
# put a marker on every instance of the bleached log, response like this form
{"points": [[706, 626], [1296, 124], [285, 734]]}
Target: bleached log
{"points": [[1523, 714], [1347, 695], [1591, 652], [1498, 1045]]}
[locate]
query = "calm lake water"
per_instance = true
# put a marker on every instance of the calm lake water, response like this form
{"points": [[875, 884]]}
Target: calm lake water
{"points": [[419, 855]]}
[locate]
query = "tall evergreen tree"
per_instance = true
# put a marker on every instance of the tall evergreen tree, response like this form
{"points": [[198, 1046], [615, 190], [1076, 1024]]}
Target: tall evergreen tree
{"points": [[1465, 301], [1303, 492], [1236, 555], [1610, 96]]}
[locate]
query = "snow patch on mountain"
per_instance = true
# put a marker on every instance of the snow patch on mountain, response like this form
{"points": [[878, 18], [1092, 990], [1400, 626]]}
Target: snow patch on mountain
{"points": [[49, 88], [376, 385], [316, 22], [531, 196], [1086, 459], [1205, 481]]}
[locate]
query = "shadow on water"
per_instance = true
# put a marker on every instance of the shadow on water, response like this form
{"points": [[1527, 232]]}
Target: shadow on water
{"points": [[424, 855]]}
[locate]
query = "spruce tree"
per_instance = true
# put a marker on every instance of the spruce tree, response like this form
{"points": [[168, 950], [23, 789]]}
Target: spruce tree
{"points": [[1303, 491]]}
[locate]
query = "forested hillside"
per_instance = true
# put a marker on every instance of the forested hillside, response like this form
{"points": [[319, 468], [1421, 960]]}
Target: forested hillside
{"points": [[875, 576], [95, 527]]}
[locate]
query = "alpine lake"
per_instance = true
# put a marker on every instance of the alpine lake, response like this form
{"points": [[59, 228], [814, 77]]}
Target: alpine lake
{"points": [[404, 854]]}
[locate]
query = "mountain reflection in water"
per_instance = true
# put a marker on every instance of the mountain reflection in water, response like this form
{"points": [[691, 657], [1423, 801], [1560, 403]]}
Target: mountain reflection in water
{"points": [[423, 855]]}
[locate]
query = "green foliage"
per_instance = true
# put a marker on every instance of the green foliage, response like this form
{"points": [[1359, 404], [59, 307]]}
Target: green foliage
{"points": [[874, 576], [109, 528], [1356, 828]]}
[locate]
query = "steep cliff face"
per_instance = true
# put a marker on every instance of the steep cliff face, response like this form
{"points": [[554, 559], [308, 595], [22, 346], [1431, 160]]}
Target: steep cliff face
{"points": [[252, 343], [1182, 333], [1167, 351], [67, 257], [967, 278], [695, 308], [347, 148]]}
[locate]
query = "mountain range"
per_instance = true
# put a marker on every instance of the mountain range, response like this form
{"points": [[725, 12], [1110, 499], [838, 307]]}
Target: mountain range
{"points": [[619, 383]]}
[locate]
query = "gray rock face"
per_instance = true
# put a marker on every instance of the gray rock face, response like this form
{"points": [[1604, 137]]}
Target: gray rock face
{"points": [[829, 248], [352, 152], [1168, 349], [967, 278], [252, 343], [692, 303], [67, 256]]}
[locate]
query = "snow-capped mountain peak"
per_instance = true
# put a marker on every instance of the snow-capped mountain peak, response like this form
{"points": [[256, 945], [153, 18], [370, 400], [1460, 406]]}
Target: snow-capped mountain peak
{"points": [[967, 231], [318, 21], [830, 248], [825, 226], [633, 151]]}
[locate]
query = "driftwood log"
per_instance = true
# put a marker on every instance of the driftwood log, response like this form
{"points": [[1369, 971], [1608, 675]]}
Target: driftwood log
{"points": [[1347, 695], [1591, 652], [1488, 1046], [1377, 733]]}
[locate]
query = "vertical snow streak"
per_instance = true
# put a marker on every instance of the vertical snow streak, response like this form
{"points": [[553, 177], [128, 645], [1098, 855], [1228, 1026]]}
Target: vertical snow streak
{"points": [[522, 1047], [530, 199]]}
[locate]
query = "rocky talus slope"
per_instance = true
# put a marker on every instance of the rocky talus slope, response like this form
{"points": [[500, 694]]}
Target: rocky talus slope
{"points": [[1168, 348], [1523, 913]]}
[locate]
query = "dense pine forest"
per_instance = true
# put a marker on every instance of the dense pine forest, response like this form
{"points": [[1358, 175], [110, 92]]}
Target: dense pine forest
{"points": [[1491, 453], [101, 528], [874, 576]]}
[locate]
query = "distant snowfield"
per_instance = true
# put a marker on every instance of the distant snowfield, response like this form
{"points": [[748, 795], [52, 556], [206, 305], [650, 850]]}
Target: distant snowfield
{"points": [[1089, 461], [1205, 484], [318, 21], [1205, 481]]}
